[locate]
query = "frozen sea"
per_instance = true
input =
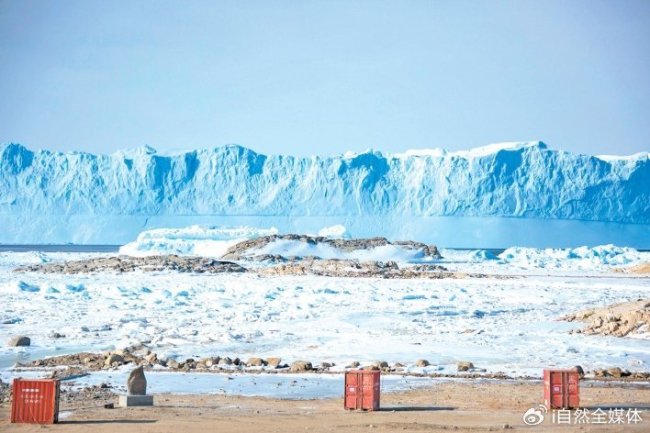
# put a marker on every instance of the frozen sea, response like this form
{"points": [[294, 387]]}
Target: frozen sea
{"points": [[501, 325]]}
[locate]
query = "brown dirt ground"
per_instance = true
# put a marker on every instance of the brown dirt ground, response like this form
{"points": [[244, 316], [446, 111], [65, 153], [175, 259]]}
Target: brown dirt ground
{"points": [[643, 268], [449, 406]]}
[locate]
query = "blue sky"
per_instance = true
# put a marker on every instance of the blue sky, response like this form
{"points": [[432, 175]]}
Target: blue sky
{"points": [[323, 77]]}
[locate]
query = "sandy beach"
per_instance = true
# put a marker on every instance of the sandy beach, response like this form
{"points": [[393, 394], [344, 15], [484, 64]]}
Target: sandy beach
{"points": [[456, 406]]}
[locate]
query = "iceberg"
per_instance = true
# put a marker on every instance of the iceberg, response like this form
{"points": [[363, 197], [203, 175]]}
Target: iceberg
{"points": [[599, 257], [494, 196], [192, 241]]}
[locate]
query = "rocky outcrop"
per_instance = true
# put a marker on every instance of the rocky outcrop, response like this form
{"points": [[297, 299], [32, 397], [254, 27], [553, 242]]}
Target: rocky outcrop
{"points": [[281, 266], [245, 250], [356, 268], [130, 264], [80, 364], [619, 320]]}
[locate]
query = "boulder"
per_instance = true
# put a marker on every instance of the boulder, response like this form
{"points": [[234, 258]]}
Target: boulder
{"points": [[209, 362], [353, 364], [421, 363], [600, 372], [300, 366], [273, 362], [464, 366], [380, 364], [113, 359], [615, 372], [580, 371], [172, 363], [254, 362], [371, 368], [225, 361], [19, 341], [137, 382]]}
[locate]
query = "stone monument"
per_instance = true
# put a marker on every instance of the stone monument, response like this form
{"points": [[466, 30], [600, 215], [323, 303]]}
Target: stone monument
{"points": [[136, 387]]}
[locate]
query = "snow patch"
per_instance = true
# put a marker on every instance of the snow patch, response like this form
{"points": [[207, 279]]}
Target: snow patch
{"points": [[336, 232], [294, 248]]}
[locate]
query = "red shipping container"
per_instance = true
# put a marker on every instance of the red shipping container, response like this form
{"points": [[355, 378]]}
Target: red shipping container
{"points": [[561, 389], [362, 390], [35, 401]]}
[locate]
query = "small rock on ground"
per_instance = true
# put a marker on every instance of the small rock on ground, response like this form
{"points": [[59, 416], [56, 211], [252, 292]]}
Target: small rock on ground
{"points": [[20, 341]]}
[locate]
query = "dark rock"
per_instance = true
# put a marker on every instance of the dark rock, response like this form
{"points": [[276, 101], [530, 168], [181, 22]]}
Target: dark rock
{"points": [[225, 361], [20, 341], [581, 372]]}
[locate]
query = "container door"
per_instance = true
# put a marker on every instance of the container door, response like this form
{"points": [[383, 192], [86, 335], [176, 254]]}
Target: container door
{"points": [[352, 391], [573, 390], [369, 391], [557, 389], [34, 402]]}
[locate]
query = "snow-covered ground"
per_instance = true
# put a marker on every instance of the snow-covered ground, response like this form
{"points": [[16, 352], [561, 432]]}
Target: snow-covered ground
{"points": [[508, 325]]}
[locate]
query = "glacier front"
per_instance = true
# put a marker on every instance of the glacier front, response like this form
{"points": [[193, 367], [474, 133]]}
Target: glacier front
{"points": [[500, 195]]}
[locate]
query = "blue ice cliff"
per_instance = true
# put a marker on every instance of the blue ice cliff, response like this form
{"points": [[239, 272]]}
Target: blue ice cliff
{"points": [[495, 196]]}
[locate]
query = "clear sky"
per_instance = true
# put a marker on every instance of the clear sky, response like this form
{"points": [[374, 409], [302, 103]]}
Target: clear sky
{"points": [[307, 77]]}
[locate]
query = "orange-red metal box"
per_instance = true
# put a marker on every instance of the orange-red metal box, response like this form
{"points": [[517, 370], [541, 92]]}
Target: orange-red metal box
{"points": [[35, 401], [561, 389], [362, 390]]}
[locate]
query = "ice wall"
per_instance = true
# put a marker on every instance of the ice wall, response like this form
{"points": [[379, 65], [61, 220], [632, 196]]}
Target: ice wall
{"points": [[79, 197]]}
